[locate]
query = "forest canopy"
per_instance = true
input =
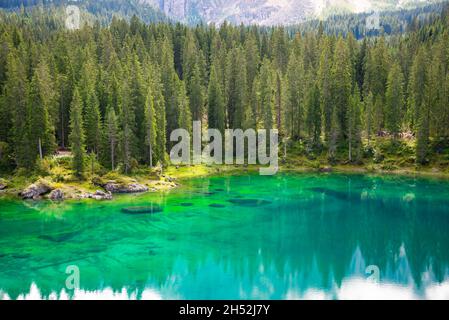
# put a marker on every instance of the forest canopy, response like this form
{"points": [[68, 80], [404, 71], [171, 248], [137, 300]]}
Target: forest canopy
{"points": [[116, 91]]}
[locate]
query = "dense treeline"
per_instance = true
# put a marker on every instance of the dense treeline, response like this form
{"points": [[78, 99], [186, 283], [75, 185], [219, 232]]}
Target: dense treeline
{"points": [[100, 10], [391, 22], [117, 92]]}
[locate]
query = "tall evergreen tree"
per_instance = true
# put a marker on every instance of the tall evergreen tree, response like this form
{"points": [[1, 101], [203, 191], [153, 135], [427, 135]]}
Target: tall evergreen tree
{"points": [[294, 106], [112, 135], [127, 127], [150, 126], [354, 127], [41, 127], [76, 136], [267, 94], [236, 88], [342, 83], [313, 119], [216, 114], [394, 100]]}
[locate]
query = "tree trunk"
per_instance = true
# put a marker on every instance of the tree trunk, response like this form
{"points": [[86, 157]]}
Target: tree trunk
{"points": [[279, 102], [62, 121], [40, 149], [112, 154], [151, 157]]}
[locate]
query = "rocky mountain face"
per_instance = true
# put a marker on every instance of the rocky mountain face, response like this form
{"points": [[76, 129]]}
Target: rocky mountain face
{"points": [[270, 12]]}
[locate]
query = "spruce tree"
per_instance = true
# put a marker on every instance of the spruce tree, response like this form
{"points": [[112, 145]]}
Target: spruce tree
{"points": [[216, 114], [341, 84], [76, 136], [368, 121], [150, 126], [236, 88], [41, 127], [354, 127], [267, 94], [161, 138], [16, 97], [422, 138], [294, 106], [416, 86], [185, 117], [313, 119], [394, 100], [325, 86], [127, 127], [196, 95], [111, 127]]}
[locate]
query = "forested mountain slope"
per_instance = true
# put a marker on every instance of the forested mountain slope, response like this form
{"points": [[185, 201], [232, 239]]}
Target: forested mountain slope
{"points": [[116, 93], [101, 10]]}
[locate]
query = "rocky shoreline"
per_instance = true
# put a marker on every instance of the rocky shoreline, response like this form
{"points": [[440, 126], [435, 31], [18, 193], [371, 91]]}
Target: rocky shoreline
{"points": [[43, 189]]}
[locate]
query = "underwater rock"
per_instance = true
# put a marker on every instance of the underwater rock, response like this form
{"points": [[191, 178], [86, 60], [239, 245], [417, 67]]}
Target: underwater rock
{"points": [[56, 195], [249, 202], [336, 194], [207, 193], [217, 205], [60, 237], [326, 170], [114, 187], [186, 204], [143, 210], [35, 190]]}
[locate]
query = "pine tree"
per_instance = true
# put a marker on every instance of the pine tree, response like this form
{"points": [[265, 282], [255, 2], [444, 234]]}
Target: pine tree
{"points": [[196, 95], [91, 111], [41, 127], [313, 119], [368, 119], [138, 94], [161, 124], [185, 117], [416, 86], [394, 100], [341, 84], [16, 97], [216, 114], [76, 136], [236, 88], [354, 127], [378, 118], [150, 126], [325, 86], [127, 127], [422, 139], [169, 80], [112, 134], [267, 94], [294, 105], [252, 59]]}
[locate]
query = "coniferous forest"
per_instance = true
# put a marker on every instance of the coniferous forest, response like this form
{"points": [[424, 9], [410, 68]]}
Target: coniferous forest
{"points": [[112, 93], [93, 205]]}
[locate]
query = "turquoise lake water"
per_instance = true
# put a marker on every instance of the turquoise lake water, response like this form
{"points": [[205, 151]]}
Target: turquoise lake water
{"points": [[290, 236]]}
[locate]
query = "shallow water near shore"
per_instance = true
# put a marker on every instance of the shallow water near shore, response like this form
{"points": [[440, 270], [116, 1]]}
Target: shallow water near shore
{"points": [[290, 236]]}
